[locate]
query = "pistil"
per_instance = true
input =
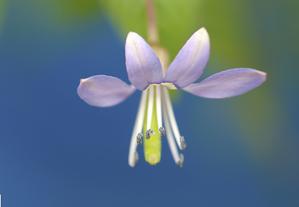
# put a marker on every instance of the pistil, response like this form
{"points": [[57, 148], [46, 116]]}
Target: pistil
{"points": [[152, 144]]}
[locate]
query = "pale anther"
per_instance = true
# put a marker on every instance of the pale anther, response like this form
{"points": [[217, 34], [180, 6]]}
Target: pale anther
{"points": [[162, 131], [183, 142], [149, 133], [139, 138], [180, 163]]}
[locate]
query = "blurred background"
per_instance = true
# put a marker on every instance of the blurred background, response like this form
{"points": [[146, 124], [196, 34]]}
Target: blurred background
{"points": [[55, 150]]}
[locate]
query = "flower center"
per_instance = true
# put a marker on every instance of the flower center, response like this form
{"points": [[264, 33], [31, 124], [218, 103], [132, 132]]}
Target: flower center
{"points": [[155, 110]]}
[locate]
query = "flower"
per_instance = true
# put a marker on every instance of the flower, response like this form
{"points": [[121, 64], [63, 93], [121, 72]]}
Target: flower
{"points": [[155, 117]]}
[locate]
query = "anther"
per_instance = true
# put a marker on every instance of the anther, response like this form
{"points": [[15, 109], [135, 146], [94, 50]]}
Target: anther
{"points": [[162, 131], [149, 133], [139, 138], [180, 163], [183, 142]]}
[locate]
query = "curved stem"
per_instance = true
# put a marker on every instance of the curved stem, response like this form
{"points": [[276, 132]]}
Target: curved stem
{"points": [[152, 30]]}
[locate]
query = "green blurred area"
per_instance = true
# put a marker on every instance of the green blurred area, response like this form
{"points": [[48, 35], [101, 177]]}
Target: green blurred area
{"points": [[69, 12], [2, 13]]}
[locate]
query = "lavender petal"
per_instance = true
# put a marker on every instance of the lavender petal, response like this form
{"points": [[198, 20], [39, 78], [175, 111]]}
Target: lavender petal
{"points": [[191, 60], [103, 91], [143, 65], [228, 83]]}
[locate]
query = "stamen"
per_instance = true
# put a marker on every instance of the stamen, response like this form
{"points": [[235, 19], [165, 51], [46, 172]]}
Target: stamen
{"points": [[171, 142], [159, 110], [183, 142], [181, 162], [149, 133], [172, 122], [137, 130], [162, 131], [139, 138], [150, 108]]}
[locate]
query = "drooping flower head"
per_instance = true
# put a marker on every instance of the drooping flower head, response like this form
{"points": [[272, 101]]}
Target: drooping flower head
{"points": [[149, 73]]}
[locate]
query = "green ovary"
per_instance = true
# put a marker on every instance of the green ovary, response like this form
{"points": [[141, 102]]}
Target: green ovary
{"points": [[153, 145]]}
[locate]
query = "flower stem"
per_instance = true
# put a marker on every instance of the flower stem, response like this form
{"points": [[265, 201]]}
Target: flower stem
{"points": [[153, 35], [152, 29]]}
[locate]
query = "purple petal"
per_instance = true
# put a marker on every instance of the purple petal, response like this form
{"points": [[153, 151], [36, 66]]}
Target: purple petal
{"points": [[228, 83], [103, 90], [143, 65], [190, 62]]}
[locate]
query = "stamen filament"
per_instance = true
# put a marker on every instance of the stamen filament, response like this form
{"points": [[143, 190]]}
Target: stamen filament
{"points": [[172, 121], [159, 109], [150, 108], [177, 157], [133, 155]]}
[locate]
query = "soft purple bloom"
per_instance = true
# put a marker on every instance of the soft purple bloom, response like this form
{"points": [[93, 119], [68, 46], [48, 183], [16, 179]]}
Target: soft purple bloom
{"points": [[146, 74]]}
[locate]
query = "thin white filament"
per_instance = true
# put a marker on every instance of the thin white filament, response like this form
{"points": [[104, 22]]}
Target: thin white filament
{"points": [[133, 156], [150, 108], [159, 107], [171, 118], [170, 139]]}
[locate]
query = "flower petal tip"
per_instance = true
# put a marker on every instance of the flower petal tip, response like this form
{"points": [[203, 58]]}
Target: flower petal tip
{"points": [[132, 36], [132, 33], [203, 34], [103, 91], [264, 74], [203, 30], [83, 80], [228, 83], [191, 60]]}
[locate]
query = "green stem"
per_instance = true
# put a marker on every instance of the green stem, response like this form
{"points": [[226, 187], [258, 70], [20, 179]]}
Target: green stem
{"points": [[152, 29]]}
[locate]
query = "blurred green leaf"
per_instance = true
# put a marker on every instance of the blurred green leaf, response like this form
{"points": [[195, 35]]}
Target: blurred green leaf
{"points": [[2, 13], [231, 32], [70, 11], [176, 19], [128, 15]]}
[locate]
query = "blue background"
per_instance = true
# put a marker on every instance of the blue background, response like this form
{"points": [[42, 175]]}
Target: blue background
{"points": [[57, 151]]}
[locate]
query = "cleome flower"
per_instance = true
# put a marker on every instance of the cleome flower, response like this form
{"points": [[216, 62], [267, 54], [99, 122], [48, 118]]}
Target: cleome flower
{"points": [[149, 74]]}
